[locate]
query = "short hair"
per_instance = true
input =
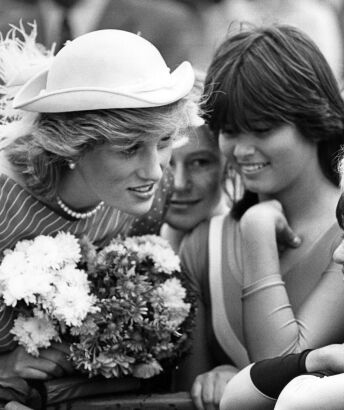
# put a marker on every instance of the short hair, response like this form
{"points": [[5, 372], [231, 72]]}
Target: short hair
{"points": [[59, 138], [278, 75]]}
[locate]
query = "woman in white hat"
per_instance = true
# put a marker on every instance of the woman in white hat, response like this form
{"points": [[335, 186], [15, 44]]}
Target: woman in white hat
{"points": [[85, 144]]}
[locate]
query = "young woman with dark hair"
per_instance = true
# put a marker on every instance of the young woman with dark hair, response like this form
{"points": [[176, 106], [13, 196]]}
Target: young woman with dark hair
{"points": [[304, 381], [264, 274]]}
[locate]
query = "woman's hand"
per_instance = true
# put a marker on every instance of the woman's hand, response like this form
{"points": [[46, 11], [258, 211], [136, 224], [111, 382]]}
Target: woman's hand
{"points": [[267, 217], [265, 234], [208, 387], [51, 363]]}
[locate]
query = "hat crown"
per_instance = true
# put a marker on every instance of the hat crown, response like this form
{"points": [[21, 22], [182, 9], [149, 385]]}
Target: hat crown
{"points": [[105, 69], [111, 59]]}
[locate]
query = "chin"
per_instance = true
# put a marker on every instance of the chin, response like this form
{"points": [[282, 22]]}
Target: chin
{"points": [[182, 224], [138, 209]]}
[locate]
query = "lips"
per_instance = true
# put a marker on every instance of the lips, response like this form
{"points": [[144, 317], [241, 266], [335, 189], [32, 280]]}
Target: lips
{"points": [[249, 168], [142, 188], [183, 203], [143, 191]]}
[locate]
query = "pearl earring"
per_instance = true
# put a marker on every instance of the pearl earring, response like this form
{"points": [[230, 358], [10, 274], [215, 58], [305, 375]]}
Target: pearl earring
{"points": [[71, 165]]}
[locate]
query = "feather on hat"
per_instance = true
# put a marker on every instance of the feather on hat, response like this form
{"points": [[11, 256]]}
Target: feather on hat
{"points": [[20, 59]]}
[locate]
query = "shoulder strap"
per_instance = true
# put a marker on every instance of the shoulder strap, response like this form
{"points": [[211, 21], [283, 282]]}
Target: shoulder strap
{"points": [[222, 328]]}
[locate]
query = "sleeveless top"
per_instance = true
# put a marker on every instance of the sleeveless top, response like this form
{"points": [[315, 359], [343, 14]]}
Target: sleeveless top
{"points": [[214, 268]]}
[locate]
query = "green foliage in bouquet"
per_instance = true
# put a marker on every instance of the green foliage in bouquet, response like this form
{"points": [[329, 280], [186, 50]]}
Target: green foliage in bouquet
{"points": [[145, 310]]}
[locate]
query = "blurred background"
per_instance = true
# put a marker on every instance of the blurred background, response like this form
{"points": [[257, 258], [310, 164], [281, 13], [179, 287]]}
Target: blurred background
{"points": [[181, 29]]}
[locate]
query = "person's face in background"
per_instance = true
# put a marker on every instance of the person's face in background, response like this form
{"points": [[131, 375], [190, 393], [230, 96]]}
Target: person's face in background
{"points": [[197, 168]]}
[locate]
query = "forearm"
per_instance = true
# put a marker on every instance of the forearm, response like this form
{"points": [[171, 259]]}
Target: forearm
{"points": [[270, 327]]}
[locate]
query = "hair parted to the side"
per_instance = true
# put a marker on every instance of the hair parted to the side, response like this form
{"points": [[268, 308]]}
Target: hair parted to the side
{"points": [[275, 74], [43, 156]]}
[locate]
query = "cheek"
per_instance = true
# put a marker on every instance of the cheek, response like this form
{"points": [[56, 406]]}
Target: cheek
{"points": [[165, 157], [226, 147], [211, 183], [291, 163], [105, 172], [338, 255]]}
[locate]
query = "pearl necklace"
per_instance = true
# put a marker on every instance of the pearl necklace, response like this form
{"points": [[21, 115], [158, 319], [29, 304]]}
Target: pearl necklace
{"points": [[78, 215]]}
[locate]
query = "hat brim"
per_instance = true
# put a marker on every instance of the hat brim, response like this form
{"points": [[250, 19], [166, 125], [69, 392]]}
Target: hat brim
{"points": [[32, 96]]}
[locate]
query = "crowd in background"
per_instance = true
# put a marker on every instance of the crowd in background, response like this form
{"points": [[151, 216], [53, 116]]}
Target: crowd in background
{"points": [[181, 29]]}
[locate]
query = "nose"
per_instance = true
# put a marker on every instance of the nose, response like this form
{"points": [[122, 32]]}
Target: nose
{"points": [[180, 177], [236, 148], [338, 254], [152, 164], [243, 150]]}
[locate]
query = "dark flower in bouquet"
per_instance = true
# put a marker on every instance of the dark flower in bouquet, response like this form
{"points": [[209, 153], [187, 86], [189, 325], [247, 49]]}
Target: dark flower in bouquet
{"points": [[125, 309], [144, 310]]}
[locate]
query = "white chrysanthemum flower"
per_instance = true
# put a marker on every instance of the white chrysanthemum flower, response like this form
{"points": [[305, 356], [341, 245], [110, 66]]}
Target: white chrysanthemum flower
{"points": [[34, 333], [24, 287], [165, 260], [25, 282], [69, 247], [72, 304], [72, 276], [16, 289], [176, 316], [158, 249], [13, 263], [172, 292], [45, 253], [114, 247], [22, 246], [147, 370]]}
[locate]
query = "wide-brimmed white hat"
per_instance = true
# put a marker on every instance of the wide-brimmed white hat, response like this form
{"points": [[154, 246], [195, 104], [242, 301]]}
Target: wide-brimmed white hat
{"points": [[105, 69]]}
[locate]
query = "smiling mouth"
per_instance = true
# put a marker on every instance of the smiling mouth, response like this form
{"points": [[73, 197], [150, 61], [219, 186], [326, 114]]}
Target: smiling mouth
{"points": [[251, 168], [184, 202], [143, 189]]}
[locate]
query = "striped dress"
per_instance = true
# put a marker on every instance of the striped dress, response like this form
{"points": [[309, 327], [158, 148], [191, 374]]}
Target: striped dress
{"points": [[24, 217]]}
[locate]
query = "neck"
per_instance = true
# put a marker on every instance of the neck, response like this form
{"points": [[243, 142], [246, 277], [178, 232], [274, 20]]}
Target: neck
{"points": [[311, 196], [75, 194]]}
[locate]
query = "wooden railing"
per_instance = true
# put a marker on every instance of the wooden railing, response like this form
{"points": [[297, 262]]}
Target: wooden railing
{"points": [[128, 393], [81, 393], [171, 401]]}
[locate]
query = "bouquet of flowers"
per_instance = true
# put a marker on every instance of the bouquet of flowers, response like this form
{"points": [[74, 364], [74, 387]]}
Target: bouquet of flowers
{"points": [[125, 309], [42, 280], [145, 310]]}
